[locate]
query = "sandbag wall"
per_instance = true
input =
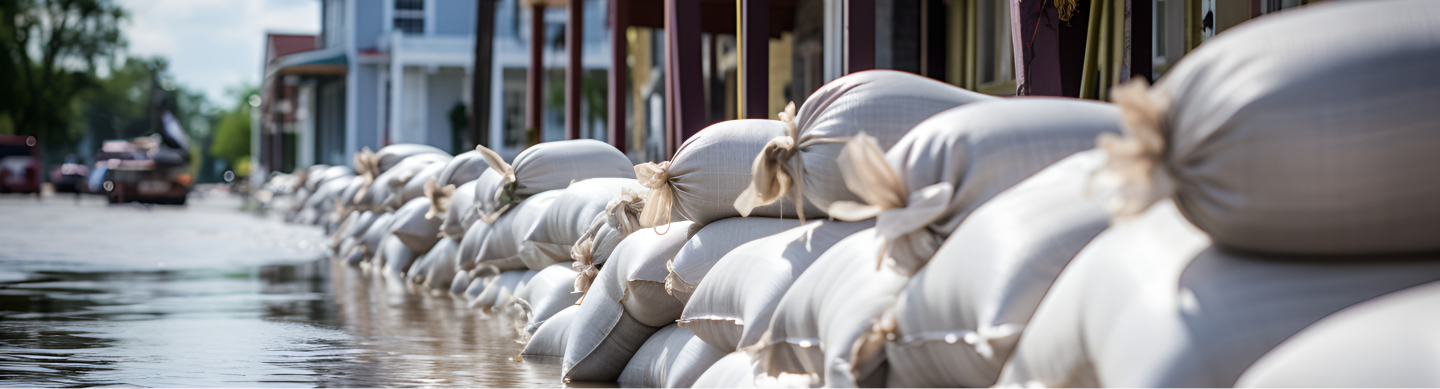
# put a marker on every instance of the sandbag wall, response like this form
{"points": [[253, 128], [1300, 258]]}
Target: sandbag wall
{"points": [[898, 231]]}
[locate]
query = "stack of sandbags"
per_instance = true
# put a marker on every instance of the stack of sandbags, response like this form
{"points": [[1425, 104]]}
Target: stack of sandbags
{"points": [[544, 295], [576, 209], [550, 338], [1271, 178], [491, 287], [672, 358], [545, 167], [703, 250], [392, 167], [435, 270], [503, 245], [884, 104]]}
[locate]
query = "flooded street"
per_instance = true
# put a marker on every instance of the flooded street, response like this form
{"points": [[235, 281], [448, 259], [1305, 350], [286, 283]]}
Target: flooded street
{"points": [[206, 295]]}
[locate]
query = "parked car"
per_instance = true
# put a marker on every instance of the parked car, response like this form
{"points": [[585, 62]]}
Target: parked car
{"points": [[70, 176], [20, 169]]}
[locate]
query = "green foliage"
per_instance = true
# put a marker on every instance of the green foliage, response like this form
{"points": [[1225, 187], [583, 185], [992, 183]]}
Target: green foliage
{"points": [[52, 48], [232, 134]]}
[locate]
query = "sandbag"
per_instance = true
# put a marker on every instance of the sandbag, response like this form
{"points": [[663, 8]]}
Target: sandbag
{"points": [[470, 245], [382, 186], [737, 370], [436, 270], [884, 104], [573, 213], [462, 169], [708, 172], [499, 285], [711, 243], [379, 162], [672, 358], [732, 307], [1151, 302], [922, 188], [323, 200], [370, 242], [1279, 135], [459, 213], [395, 257], [600, 349], [404, 189], [460, 283], [503, 246], [1388, 342], [354, 226], [411, 226], [643, 272], [544, 167], [547, 293], [345, 204], [549, 340], [959, 318]]}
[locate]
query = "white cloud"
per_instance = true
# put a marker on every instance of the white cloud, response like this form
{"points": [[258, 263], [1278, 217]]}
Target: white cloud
{"points": [[214, 44]]}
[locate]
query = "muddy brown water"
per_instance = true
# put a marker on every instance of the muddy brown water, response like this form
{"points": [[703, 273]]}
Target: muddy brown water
{"points": [[212, 310]]}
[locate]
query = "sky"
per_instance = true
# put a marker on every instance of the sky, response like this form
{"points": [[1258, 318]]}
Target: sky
{"points": [[214, 44]]}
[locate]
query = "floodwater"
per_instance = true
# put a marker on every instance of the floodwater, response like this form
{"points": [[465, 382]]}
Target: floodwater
{"points": [[204, 295]]}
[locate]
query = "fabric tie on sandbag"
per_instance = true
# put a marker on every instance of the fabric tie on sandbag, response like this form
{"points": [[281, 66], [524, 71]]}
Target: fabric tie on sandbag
{"points": [[545, 295], [459, 213], [440, 198], [620, 218], [566, 223], [932, 179], [504, 196], [661, 198], [1279, 136], [884, 103], [411, 226]]}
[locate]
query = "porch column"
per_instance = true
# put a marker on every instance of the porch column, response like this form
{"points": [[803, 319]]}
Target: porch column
{"points": [[755, 59], [534, 82], [574, 71], [686, 97], [859, 35], [618, 24], [480, 72]]}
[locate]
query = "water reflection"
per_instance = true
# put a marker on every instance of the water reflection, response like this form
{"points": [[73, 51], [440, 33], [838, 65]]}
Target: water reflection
{"points": [[313, 324]]}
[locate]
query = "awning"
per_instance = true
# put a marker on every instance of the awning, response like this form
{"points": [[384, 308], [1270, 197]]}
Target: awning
{"points": [[316, 62]]}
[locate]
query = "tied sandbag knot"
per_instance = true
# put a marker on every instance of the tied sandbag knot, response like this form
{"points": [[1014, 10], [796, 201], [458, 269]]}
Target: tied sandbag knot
{"points": [[901, 217], [505, 195], [775, 170], [868, 351], [439, 198], [660, 201], [623, 215], [674, 284], [366, 165], [1135, 160]]}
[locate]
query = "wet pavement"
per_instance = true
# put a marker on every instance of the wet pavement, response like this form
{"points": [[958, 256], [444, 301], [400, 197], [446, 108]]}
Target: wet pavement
{"points": [[205, 295]]}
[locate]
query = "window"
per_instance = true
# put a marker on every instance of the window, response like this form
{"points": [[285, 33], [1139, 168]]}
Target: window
{"points": [[410, 16]]}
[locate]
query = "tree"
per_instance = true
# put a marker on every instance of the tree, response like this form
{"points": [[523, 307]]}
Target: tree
{"points": [[53, 47], [232, 135]]}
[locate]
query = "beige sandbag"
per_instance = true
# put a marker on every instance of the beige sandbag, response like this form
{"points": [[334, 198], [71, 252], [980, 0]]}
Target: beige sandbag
{"points": [[671, 358], [732, 306], [708, 172], [413, 229], [884, 104], [383, 185], [959, 318], [458, 213], [546, 294], [404, 189], [1281, 136], [572, 214], [711, 243], [345, 204], [922, 189], [599, 349], [497, 284], [549, 340], [1388, 342], [544, 167], [462, 169], [643, 271], [737, 370], [502, 246], [1151, 302], [619, 219]]}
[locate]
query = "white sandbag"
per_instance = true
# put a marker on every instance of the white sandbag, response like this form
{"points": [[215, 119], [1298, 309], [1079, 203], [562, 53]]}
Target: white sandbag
{"points": [[459, 213], [820, 325], [959, 318], [546, 294], [411, 226], [708, 172], [503, 246], [1279, 136], [712, 242], [1389, 342], [922, 188], [737, 370], [499, 285], [544, 167], [884, 104], [573, 213], [370, 241], [345, 205], [600, 349], [404, 189], [732, 306], [395, 257], [671, 358], [385, 184], [549, 340], [462, 169], [376, 163], [460, 283], [643, 271], [471, 244], [354, 226], [350, 252], [1151, 302], [323, 200], [475, 288], [436, 271]]}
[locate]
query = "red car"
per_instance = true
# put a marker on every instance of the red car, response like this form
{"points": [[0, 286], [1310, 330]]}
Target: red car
{"points": [[20, 169]]}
